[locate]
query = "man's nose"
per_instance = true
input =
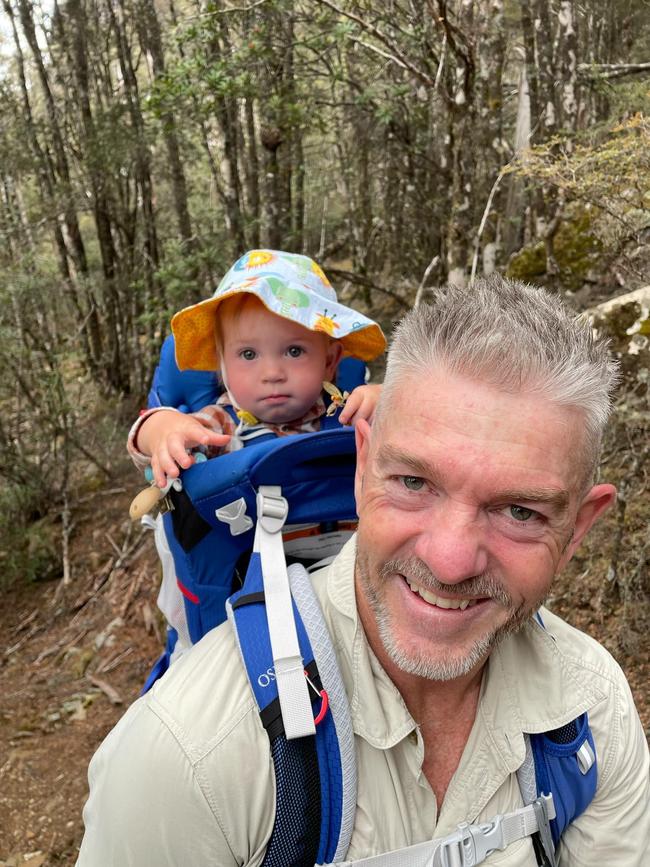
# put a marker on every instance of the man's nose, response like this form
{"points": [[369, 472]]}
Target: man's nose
{"points": [[452, 543]]}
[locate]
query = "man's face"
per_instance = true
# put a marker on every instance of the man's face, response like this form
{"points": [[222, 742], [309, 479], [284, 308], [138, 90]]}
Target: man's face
{"points": [[469, 504]]}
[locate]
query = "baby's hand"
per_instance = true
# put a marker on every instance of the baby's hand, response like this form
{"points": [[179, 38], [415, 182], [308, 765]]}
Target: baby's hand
{"points": [[360, 404], [166, 436]]}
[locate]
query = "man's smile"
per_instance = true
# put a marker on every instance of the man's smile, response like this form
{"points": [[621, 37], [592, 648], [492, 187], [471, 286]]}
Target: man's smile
{"points": [[441, 601]]}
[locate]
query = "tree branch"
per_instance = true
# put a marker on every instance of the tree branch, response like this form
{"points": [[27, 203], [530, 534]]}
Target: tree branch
{"points": [[486, 213], [362, 280], [397, 55], [595, 71]]}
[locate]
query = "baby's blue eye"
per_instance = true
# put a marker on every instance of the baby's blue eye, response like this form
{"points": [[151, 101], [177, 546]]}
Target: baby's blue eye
{"points": [[413, 483], [520, 513], [295, 351], [247, 354]]}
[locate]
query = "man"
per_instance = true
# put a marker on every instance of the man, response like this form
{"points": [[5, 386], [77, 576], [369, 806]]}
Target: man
{"points": [[474, 488]]}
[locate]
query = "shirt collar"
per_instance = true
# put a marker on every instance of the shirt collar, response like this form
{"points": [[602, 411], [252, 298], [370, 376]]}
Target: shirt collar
{"points": [[532, 684]]}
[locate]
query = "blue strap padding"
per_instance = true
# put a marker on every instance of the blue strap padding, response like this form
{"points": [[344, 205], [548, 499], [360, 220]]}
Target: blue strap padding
{"points": [[210, 582], [558, 772], [316, 472], [294, 839], [254, 639], [331, 422], [251, 626], [350, 373], [331, 783], [299, 464]]}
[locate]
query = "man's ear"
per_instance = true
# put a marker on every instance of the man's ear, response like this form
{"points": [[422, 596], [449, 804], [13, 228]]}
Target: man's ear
{"points": [[333, 356], [596, 502], [362, 440]]}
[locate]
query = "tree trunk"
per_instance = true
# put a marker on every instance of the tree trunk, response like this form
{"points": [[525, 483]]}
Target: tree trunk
{"points": [[252, 170], [151, 40], [568, 65], [61, 161], [531, 69], [546, 65], [87, 318], [461, 83]]}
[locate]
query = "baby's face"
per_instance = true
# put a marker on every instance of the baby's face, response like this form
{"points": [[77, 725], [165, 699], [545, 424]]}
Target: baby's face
{"points": [[274, 367]]}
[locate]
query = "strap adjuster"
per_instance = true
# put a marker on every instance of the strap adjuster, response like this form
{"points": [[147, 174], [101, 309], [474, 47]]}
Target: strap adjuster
{"points": [[470, 845], [457, 850], [272, 508]]}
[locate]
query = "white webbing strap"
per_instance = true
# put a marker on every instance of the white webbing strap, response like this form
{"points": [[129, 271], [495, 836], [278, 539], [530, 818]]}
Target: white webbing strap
{"points": [[293, 691], [468, 845]]}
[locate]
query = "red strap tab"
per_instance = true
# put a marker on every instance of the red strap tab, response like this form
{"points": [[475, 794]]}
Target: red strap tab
{"points": [[187, 593]]}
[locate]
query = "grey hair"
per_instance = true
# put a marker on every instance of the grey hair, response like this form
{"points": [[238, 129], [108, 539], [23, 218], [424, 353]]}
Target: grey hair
{"points": [[514, 336]]}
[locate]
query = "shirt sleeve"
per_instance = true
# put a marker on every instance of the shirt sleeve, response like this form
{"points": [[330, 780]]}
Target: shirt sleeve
{"points": [[212, 417], [615, 828], [146, 805]]}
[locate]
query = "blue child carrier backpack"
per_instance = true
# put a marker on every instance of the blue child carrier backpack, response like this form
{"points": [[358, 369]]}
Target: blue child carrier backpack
{"points": [[236, 526], [323, 504]]}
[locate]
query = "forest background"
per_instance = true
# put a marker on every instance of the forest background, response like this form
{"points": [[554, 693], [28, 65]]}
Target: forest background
{"points": [[145, 144]]}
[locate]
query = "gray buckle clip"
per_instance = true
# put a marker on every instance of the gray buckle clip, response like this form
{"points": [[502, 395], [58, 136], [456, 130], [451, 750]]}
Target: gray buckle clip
{"points": [[471, 844]]}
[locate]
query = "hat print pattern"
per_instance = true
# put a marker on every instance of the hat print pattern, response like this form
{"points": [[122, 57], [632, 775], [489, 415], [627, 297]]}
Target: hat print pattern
{"points": [[288, 284]]}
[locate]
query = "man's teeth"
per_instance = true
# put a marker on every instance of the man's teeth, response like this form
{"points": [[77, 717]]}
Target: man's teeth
{"points": [[440, 601]]}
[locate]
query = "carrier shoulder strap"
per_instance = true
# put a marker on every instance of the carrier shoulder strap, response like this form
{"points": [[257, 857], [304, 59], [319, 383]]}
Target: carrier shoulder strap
{"points": [[563, 762], [314, 759]]}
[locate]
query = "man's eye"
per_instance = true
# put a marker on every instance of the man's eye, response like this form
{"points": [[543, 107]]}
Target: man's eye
{"points": [[295, 351], [247, 354], [520, 513], [413, 483]]}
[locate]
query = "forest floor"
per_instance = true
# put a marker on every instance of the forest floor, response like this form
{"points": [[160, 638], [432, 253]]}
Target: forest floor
{"points": [[72, 662], [73, 658]]}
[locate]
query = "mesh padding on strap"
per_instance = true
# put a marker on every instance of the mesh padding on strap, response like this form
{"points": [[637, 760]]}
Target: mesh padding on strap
{"points": [[564, 735], [297, 811]]}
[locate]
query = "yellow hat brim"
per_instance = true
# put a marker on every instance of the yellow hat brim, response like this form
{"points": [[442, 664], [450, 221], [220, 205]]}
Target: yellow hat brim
{"points": [[195, 342]]}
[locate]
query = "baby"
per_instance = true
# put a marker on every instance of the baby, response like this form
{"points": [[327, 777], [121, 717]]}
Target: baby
{"points": [[276, 332]]}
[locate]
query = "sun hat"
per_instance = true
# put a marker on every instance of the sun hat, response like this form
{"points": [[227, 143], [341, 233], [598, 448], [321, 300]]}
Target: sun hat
{"points": [[289, 285]]}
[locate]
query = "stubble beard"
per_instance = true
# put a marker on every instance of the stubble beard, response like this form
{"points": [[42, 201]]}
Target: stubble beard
{"points": [[417, 661]]}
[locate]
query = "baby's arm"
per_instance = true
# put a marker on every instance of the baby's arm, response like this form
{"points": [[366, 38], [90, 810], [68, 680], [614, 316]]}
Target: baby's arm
{"points": [[360, 404], [166, 435]]}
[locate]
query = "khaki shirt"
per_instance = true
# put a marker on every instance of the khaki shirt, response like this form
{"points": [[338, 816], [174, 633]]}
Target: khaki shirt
{"points": [[185, 779]]}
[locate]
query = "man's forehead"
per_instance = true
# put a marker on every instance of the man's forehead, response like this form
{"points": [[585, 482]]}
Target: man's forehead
{"points": [[520, 441], [422, 398]]}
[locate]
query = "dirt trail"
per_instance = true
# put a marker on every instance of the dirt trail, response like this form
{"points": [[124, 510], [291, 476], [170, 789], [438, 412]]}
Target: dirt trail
{"points": [[70, 665]]}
